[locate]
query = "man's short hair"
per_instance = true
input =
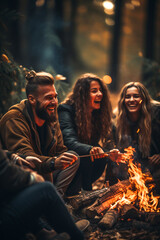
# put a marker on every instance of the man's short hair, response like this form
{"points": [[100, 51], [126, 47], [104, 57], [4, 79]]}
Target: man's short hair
{"points": [[35, 79]]}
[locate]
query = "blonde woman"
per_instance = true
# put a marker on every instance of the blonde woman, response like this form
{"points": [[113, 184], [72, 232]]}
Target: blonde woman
{"points": [[138, 125]]}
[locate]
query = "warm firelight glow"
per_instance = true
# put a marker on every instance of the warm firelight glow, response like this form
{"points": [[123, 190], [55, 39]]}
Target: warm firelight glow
{"points": [[141, 193], [107, 79], [108, 5]]}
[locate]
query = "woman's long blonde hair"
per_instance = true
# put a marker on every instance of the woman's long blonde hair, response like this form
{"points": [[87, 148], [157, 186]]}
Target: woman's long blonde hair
{"points": [[98, 125], [144, 123]]}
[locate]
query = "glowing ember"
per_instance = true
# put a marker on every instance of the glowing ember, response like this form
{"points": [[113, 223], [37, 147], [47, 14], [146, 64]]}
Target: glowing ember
{"points": [[138, 130]]}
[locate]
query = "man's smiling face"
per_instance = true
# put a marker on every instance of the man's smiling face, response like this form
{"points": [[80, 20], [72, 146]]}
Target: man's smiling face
{"points": [[46, 102]]}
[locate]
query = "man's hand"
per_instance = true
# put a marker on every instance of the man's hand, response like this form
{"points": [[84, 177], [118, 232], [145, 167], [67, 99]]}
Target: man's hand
{"points": [[155, 159], [96, 152], [65, 160], [24, 163], [33, 161]]}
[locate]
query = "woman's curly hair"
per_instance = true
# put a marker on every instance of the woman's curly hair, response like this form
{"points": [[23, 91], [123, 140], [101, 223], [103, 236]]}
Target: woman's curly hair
{"points": [[90, 126], [144, 123]]}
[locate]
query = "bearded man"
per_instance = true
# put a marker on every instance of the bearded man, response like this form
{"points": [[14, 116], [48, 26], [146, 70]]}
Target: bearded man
{"points": [[31, 129]]}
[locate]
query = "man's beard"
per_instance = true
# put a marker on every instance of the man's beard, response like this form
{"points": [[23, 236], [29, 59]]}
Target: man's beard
{"points": [[43, 114]]}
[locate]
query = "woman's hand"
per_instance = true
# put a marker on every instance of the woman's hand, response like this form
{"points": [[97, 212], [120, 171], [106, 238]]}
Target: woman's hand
{"points": [[115, 155], [96, 152]]}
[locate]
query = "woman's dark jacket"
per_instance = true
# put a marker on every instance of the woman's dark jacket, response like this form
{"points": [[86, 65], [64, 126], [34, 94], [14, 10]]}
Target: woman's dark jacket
{"points": [[69, 130], [155, 135], [66, 114]]}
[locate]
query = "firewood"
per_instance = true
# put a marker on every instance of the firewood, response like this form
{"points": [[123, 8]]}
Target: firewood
{"points": [[107, 204], [128, 211], [153, 218], [140, 225], [109, 219], [91, 211], [108, 198], [86, 199], [116, 188]]}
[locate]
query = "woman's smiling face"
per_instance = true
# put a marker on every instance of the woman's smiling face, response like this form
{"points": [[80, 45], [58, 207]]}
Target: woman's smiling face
{"points": [[133, 100], [96, 96]]}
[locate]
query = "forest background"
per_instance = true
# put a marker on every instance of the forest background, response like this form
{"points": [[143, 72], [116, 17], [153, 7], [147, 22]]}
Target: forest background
{"points": [[118, 39]]}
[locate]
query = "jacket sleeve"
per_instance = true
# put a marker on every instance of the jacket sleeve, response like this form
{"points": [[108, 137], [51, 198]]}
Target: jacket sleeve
{"points": [[69, 131], [12, 177], [16, 135], [155, 136]]}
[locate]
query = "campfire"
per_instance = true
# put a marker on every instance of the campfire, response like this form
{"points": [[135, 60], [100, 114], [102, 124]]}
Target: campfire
{"points": [[138, 192], [128, 199]]}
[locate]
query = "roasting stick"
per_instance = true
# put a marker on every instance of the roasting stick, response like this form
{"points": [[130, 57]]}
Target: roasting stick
{"points": [[106, 154], [96, 154]]}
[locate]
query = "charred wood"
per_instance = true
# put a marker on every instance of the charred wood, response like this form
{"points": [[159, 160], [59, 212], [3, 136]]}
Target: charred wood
{"points": [[116, 188], [129, 212], [96, 209], [151, 217], [104, 201], [109, 220], [140, 225], [86, 199]]}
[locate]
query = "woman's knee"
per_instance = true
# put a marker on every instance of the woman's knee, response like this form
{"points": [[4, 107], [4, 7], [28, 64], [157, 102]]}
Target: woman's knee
{"points": [[46, 186]]}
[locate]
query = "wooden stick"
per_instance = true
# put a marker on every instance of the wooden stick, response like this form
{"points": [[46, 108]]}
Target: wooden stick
{"points": [[96, 154]]}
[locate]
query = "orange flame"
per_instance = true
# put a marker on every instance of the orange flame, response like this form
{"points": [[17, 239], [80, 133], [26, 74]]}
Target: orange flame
{"points": [[142, 193]]}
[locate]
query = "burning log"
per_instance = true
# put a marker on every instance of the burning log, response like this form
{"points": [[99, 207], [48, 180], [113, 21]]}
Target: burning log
{"points": [[150, 217], [125, 211], [153, 218], [120, 187], [109, 219], [140, 225], [104, 201], [86, 199], [129, 212]]}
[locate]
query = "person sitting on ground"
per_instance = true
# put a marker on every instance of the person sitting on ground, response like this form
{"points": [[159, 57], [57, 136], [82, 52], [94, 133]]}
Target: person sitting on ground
{"points": [[85, 120], [138, 125], [31, 128], [24, 198]]}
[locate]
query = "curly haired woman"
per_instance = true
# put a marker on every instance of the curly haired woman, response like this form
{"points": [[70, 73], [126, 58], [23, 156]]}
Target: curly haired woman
{"points": [[138, 125], [85, 121]]}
